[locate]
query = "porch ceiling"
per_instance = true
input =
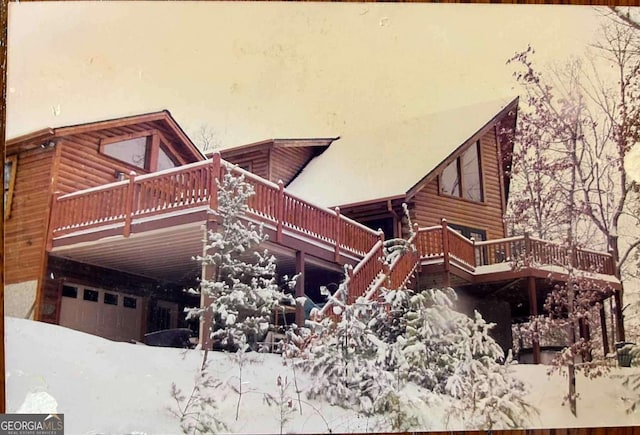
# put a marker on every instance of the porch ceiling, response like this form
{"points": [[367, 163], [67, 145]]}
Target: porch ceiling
{"points": [[165, 254]]}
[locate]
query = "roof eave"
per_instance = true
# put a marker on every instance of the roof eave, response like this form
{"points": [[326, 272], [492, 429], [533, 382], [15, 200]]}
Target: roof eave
{"points": [[29, 140], [371, 201]]}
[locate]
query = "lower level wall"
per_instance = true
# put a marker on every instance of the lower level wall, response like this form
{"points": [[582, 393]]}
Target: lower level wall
{"points": [[19, 299], [492, 311]]}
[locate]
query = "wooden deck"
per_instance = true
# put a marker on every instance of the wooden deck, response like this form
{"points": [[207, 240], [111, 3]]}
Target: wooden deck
{"points": [[456, 260], [183, 193], [186, 194]]}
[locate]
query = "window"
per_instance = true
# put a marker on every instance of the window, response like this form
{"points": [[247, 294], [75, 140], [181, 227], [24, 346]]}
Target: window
{"points": [[462, 177], [477, 234], [129, 302], [246, 166], [110, 299], [132, 151], [69, 291], [9, 181], [141, 150], [90, 295], [164, 160]]}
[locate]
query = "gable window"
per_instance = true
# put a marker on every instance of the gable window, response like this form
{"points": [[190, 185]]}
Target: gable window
{"points": [[462, 177], [142, 150], [164, 160], [9, 182], [132, 151]]}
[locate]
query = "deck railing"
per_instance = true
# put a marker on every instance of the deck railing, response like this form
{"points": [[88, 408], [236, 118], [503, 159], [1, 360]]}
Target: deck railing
{"points": [[523, 249], [192, 186], [358, 280]]}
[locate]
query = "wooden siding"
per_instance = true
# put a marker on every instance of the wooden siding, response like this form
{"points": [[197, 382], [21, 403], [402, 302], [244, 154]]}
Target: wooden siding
{"points": [[286, 163], [25, 230], [82, 165], [430, 207], [257, 160]]}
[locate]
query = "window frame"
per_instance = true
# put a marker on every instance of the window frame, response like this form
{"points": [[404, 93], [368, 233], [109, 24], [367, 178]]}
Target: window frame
{"points": [[461, 181], [13, 159], [152, 152]]}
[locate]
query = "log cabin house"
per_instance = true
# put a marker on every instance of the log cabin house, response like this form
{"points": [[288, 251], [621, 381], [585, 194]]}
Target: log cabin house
{"points": [[102, 220]]}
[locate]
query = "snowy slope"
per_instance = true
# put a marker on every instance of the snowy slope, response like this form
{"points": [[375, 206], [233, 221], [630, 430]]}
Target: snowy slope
{"points": [[107, 387]]}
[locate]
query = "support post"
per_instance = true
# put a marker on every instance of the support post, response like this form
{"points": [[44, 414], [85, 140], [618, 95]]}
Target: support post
{"points": [[619, 318], [336, 255], [213, 181], [603, 327], [300, 288], [208, 273], [445, 253], [280, 211], [128, 212], [533, 310]]}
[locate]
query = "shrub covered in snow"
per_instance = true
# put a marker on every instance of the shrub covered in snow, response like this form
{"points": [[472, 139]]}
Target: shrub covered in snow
{"points": [[365, 359], [345, 361]]}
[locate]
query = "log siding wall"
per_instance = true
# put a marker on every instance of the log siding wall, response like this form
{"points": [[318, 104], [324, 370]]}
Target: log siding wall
{"points": [[258, 161], [25, 230], [430, 206], [286, 163], [82, 165]]}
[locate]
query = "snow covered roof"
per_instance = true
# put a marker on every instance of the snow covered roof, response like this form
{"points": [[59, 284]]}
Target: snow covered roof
{"points": [[387, 161]]}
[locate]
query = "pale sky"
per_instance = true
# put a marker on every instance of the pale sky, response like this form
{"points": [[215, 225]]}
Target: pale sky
{"points": [[252, 71]]}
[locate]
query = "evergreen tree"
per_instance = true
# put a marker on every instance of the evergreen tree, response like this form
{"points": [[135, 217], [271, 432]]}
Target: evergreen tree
{"points": [[243, 290]]}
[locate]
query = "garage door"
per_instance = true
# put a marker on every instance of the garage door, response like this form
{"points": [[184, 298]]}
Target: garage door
{"points": [[113, 315]]}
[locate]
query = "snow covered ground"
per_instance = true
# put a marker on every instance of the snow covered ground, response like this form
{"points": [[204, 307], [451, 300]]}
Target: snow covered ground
{"points": [[120, 388]]}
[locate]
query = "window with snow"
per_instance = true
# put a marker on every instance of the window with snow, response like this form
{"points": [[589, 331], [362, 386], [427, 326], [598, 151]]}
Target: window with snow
{"points": [[462, 177], [141, 150]]}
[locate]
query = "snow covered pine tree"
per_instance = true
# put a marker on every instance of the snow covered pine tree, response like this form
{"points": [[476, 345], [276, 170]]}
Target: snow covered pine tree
{"points": [[241, 293]]}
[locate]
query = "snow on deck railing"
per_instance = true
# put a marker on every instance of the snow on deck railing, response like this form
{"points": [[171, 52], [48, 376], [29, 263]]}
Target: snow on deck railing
{"points": [[399, 271], [358, 279], [430, 245], [191, 186]]}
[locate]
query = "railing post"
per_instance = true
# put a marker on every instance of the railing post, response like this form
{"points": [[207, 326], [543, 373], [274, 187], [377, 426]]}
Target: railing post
{"points": [[445, 252], [336, 236], [611, 266], [473, 245], [53, 220], [349, 299], [417, 253], [279, 211], [128, 212], [527, 247], [213, 181]]}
